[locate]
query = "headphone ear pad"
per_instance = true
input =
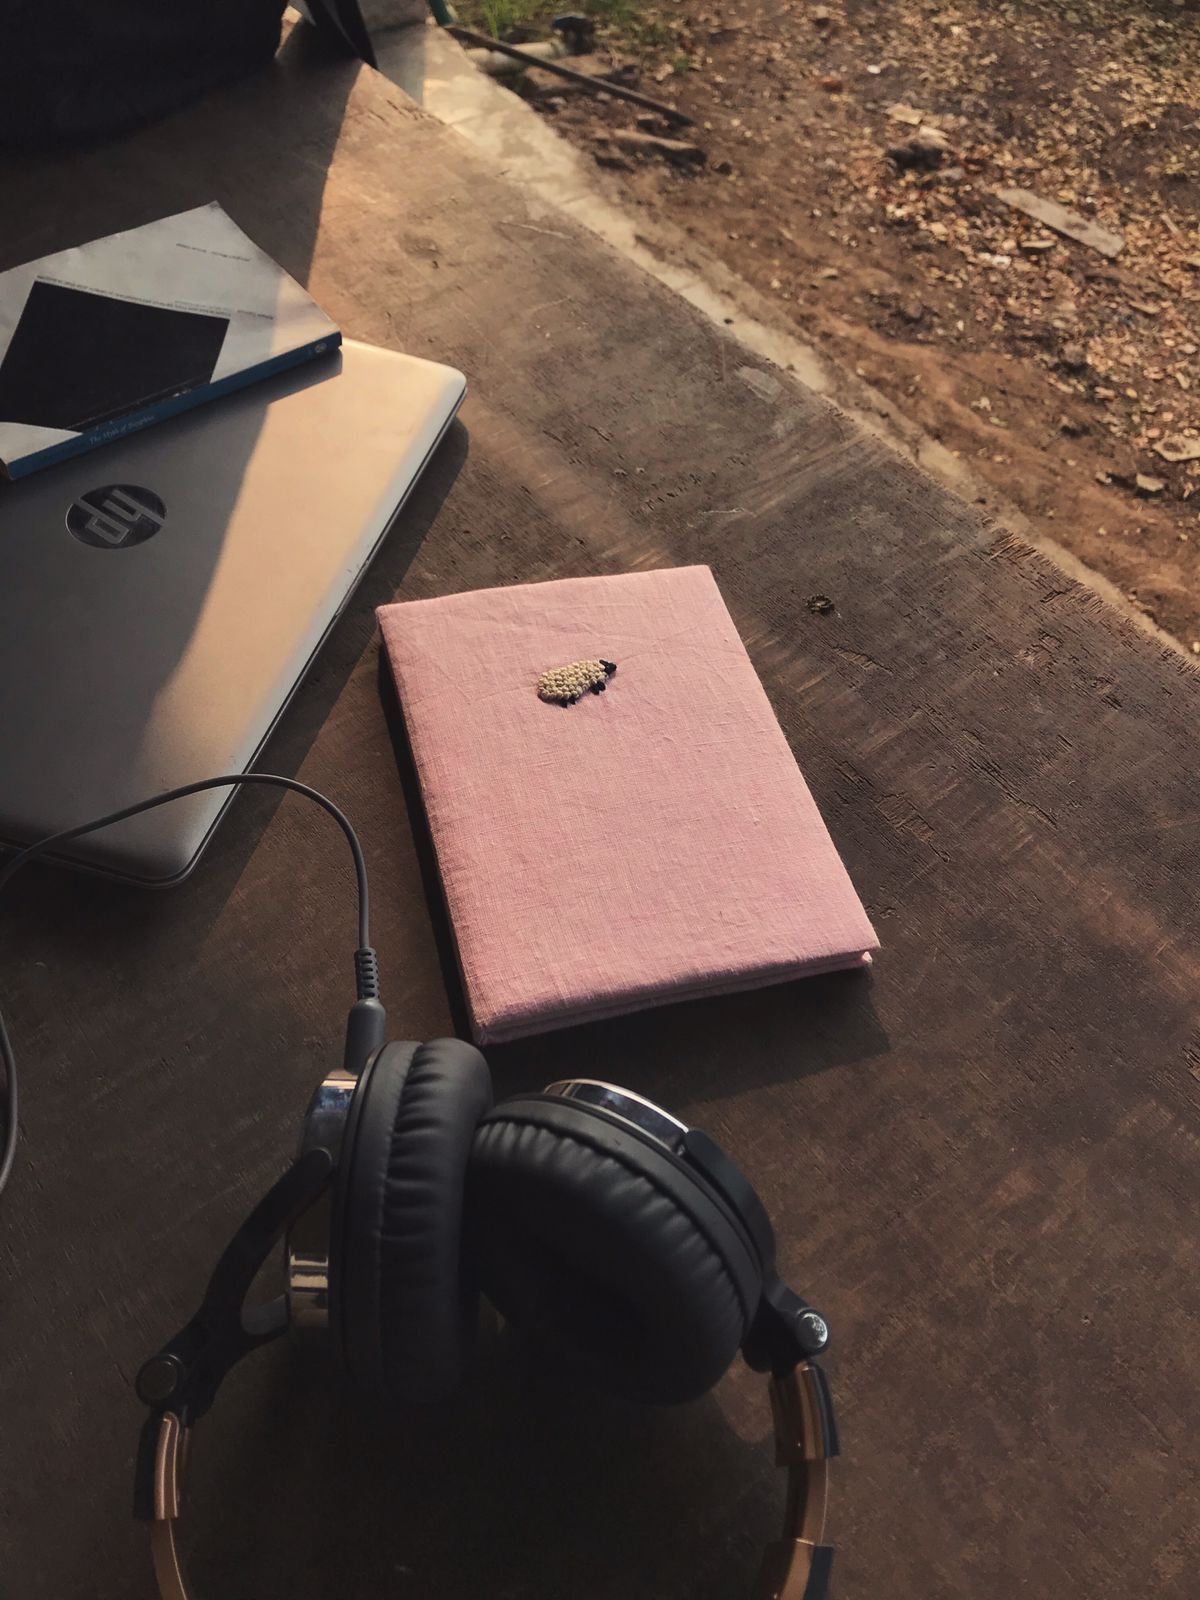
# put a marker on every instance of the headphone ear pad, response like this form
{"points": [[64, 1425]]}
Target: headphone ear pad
{"points": [[406, 1311], [601, 1242]]}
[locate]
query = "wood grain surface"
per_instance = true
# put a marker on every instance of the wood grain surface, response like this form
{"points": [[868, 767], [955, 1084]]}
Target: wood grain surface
{"points": [[981, 1160]]}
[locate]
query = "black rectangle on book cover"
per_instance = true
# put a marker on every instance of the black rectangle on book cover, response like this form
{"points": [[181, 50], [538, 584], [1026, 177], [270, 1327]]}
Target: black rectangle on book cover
{"points": [[78, 359]]}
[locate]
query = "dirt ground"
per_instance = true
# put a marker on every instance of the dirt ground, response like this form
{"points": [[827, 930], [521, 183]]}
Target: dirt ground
{"points": [[1064, 376]]}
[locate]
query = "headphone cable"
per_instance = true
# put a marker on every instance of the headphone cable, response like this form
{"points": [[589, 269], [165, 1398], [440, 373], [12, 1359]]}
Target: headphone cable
{"points": [[366, 966]]}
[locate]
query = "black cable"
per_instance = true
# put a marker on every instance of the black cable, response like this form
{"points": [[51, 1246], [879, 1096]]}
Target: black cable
{"points": [[366, 968]]}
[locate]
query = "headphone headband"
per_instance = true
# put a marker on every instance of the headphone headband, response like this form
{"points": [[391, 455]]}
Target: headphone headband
{"points": [[796, 1566], [180, 1382]]}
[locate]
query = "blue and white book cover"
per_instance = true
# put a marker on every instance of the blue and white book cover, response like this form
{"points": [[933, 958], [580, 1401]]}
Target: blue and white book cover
{"points": [[101, 340]]}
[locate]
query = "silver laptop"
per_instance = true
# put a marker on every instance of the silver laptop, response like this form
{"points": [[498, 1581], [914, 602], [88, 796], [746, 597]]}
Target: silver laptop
{"points": [[161, 597]]}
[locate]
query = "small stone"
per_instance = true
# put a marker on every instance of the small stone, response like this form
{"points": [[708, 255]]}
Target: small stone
{"points": [[820, 604], [680, 151], [1148, 485], [1177, 448], [827, 273], [924, 151], [900, 112], [1073, 358], [831, 82], [724, 167], [822, 16]]}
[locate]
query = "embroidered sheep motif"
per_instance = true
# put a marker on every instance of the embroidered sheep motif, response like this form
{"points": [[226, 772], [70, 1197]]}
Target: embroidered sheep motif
{"points": [[562, 686]]}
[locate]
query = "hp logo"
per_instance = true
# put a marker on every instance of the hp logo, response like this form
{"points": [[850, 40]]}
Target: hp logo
{"points": [[117, 516]]}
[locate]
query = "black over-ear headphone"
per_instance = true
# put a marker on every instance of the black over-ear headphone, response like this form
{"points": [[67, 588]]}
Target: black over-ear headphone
{"points": [[586, 1214]]}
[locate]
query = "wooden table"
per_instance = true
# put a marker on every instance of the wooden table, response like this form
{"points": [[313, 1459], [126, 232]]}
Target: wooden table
{"points": [[982, 1161]]}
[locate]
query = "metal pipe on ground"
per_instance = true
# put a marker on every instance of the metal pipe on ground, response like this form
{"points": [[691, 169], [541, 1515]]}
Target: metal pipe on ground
{"points": [[492, 61], [596, 85]]}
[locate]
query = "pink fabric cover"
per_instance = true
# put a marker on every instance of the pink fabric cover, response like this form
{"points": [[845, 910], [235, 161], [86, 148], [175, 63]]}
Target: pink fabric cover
{"points": [[648, 844]]}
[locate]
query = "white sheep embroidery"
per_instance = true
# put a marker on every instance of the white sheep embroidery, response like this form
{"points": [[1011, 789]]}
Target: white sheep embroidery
{"points": [[562, 686]]}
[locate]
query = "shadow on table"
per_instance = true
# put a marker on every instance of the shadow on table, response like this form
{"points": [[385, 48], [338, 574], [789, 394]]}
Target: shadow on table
{"points": [[688, 1053], [521, 1486], [680, 1053]]}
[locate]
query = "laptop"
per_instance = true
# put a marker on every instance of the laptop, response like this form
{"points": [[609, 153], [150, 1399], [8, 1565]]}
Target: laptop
{"points": [[162, 597]]}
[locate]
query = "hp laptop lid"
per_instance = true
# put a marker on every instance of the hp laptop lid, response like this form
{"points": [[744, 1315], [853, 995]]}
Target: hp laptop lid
{"points": [[161, 597]]}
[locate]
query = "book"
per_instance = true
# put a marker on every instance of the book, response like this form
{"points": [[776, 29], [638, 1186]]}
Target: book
{"points": [[618, 819], [101, 340]]}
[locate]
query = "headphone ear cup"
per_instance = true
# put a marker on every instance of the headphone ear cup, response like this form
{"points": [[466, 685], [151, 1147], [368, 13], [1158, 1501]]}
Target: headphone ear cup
{"points": [[405, 1310], [599, 1241]]}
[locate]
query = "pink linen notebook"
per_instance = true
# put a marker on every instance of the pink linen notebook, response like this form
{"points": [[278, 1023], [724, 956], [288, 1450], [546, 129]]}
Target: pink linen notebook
{"points": [[648, 843]]}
